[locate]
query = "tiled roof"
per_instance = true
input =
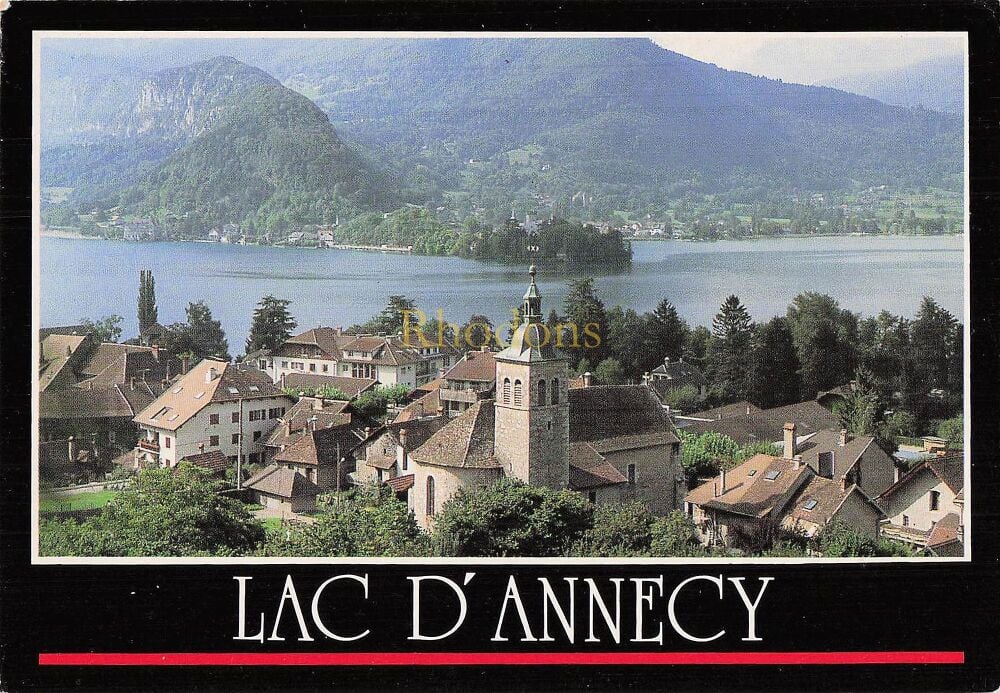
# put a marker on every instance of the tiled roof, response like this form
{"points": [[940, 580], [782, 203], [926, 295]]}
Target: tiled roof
{"points": [[214, 461], [296, 420], [828, 496], [477, 366], [945, 531], [282, 482], [767, 425], [194, 391], [624, 412], [677, 374], [727, 411], [325, 342], [417, 431], [749, 490], [530, 342], [420, 407], [465, 441], [322, 445], [588, 469], [844, 456], [401, 483], [949, 469], [349, 386]]}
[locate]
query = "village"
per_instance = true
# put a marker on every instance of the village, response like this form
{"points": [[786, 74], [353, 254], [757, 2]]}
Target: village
{"points": [[285, 435]]}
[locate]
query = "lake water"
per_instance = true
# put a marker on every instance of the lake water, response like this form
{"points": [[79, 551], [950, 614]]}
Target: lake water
{"points": [[85, 278]]}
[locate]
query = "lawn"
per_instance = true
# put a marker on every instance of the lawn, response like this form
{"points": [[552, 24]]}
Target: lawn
{"points": [[272, 524], [77, 501]]}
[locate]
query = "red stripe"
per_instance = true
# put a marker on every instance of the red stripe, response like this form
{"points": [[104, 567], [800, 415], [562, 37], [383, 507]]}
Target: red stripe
{"points": [[486, 658]]}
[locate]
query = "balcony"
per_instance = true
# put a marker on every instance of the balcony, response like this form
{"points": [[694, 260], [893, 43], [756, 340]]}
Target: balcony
{"points": [[450, 394], [149, 445]]}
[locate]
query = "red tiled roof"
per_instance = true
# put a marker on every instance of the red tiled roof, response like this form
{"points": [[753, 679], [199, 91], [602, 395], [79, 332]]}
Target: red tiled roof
{"points": [[401, 483], [465, 441], [310, 381], [588, 469], [476, 366], [749, 490], [950, 469], [213, 461], [945, 531], [282, 482]]}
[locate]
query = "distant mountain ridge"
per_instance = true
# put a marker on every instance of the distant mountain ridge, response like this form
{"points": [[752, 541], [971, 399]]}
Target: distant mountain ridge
{"points": [[483, 126], [219, 141], [936, 83]]}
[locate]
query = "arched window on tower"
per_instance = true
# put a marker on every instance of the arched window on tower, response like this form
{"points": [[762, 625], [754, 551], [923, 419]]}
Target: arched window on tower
{"points": [[517, 393], [430, 496], [541, 393], [506, 390], [555, 391]]}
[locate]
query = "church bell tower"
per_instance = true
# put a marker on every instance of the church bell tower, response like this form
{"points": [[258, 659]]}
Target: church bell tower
{"points": [[531, 429]]}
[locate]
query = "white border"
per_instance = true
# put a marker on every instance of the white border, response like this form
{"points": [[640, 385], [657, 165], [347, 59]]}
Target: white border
{"points": [[38, 36]]}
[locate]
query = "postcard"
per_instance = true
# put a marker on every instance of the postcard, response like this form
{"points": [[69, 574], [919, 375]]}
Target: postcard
{"points": [[637, 357]]}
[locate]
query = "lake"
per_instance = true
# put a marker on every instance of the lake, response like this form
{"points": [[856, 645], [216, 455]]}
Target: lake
{"points": [[87, 278]]}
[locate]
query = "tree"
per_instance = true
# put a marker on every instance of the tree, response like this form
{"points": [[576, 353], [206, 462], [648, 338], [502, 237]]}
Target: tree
{"points": [[147, 311], [271, 326], [389, 320], [585, 313], [619, 529], [825, 336], [952, 430], [774, 366], [665, 334], [371, 522], [703, 454], [477, 332], [205, 335], [683, 399], [933, 336], [626, 341], [510, 518], [106, 329], [674, 535], [163, 512], [862, 410], [728, 359], [609, 372], [696, 346]]}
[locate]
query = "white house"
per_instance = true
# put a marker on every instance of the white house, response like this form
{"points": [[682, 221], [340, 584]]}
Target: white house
{"points": [[925, 507], [215, 406]]}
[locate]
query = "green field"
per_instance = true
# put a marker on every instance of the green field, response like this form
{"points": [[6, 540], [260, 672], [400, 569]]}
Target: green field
{"points": [[77, 501]]}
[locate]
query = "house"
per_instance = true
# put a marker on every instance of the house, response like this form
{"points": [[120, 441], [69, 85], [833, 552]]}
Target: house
{"points": [[764, 425], [468, 381], [214, 462], [307, 382], [90, 389], [138, 230], [837, 454], [280, 488], [746, 506], [215, 406], [609, 442], [674, 375], [388, 454], [315, 351], [317, 438], [925, 507], [72, 461]]}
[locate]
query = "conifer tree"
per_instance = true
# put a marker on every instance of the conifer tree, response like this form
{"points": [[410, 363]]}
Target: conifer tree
{"points": [[147, 312]]}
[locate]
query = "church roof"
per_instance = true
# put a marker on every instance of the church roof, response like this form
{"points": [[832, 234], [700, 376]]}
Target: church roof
{"points": [[465, 441], [531, 342], [618, 417]]}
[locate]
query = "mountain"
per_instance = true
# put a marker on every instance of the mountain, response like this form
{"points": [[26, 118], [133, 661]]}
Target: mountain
{"points": [[936, 83], [214, 142], [575, 127]]}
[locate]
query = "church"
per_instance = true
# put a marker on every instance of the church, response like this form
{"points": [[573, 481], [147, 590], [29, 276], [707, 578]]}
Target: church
{"points": [[611, 443]]}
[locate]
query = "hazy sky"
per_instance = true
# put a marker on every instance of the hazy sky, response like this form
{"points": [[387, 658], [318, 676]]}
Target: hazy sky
{"points": [[811, 58]]}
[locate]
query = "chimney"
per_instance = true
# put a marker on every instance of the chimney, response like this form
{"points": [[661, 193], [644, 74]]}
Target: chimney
{"points": [[131, 383], [789, 451], [748, 410], [317, 404], [666, 362], [69, 350], [402, 437], [843, 437], [587, 377], [312, 423], [210, 374], [715, 489], [201, 447], [71, 445], [647, 377], [722, 481], [185, 362], [156, 352], [288, 426], [844, 483], [797, 462]]}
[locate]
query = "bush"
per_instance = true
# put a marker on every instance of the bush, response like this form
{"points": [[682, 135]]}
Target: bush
{"points": [[510, 518], [674, 535], [619, 529]]}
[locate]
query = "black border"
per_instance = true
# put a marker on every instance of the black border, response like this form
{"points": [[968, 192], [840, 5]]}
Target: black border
{"points": [[836, 607]]}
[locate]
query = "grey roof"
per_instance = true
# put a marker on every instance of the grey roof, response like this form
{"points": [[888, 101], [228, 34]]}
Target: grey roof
{"points": [[768, 425], [629, 414], [677, 374], [531, 342], [282, 482]]}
